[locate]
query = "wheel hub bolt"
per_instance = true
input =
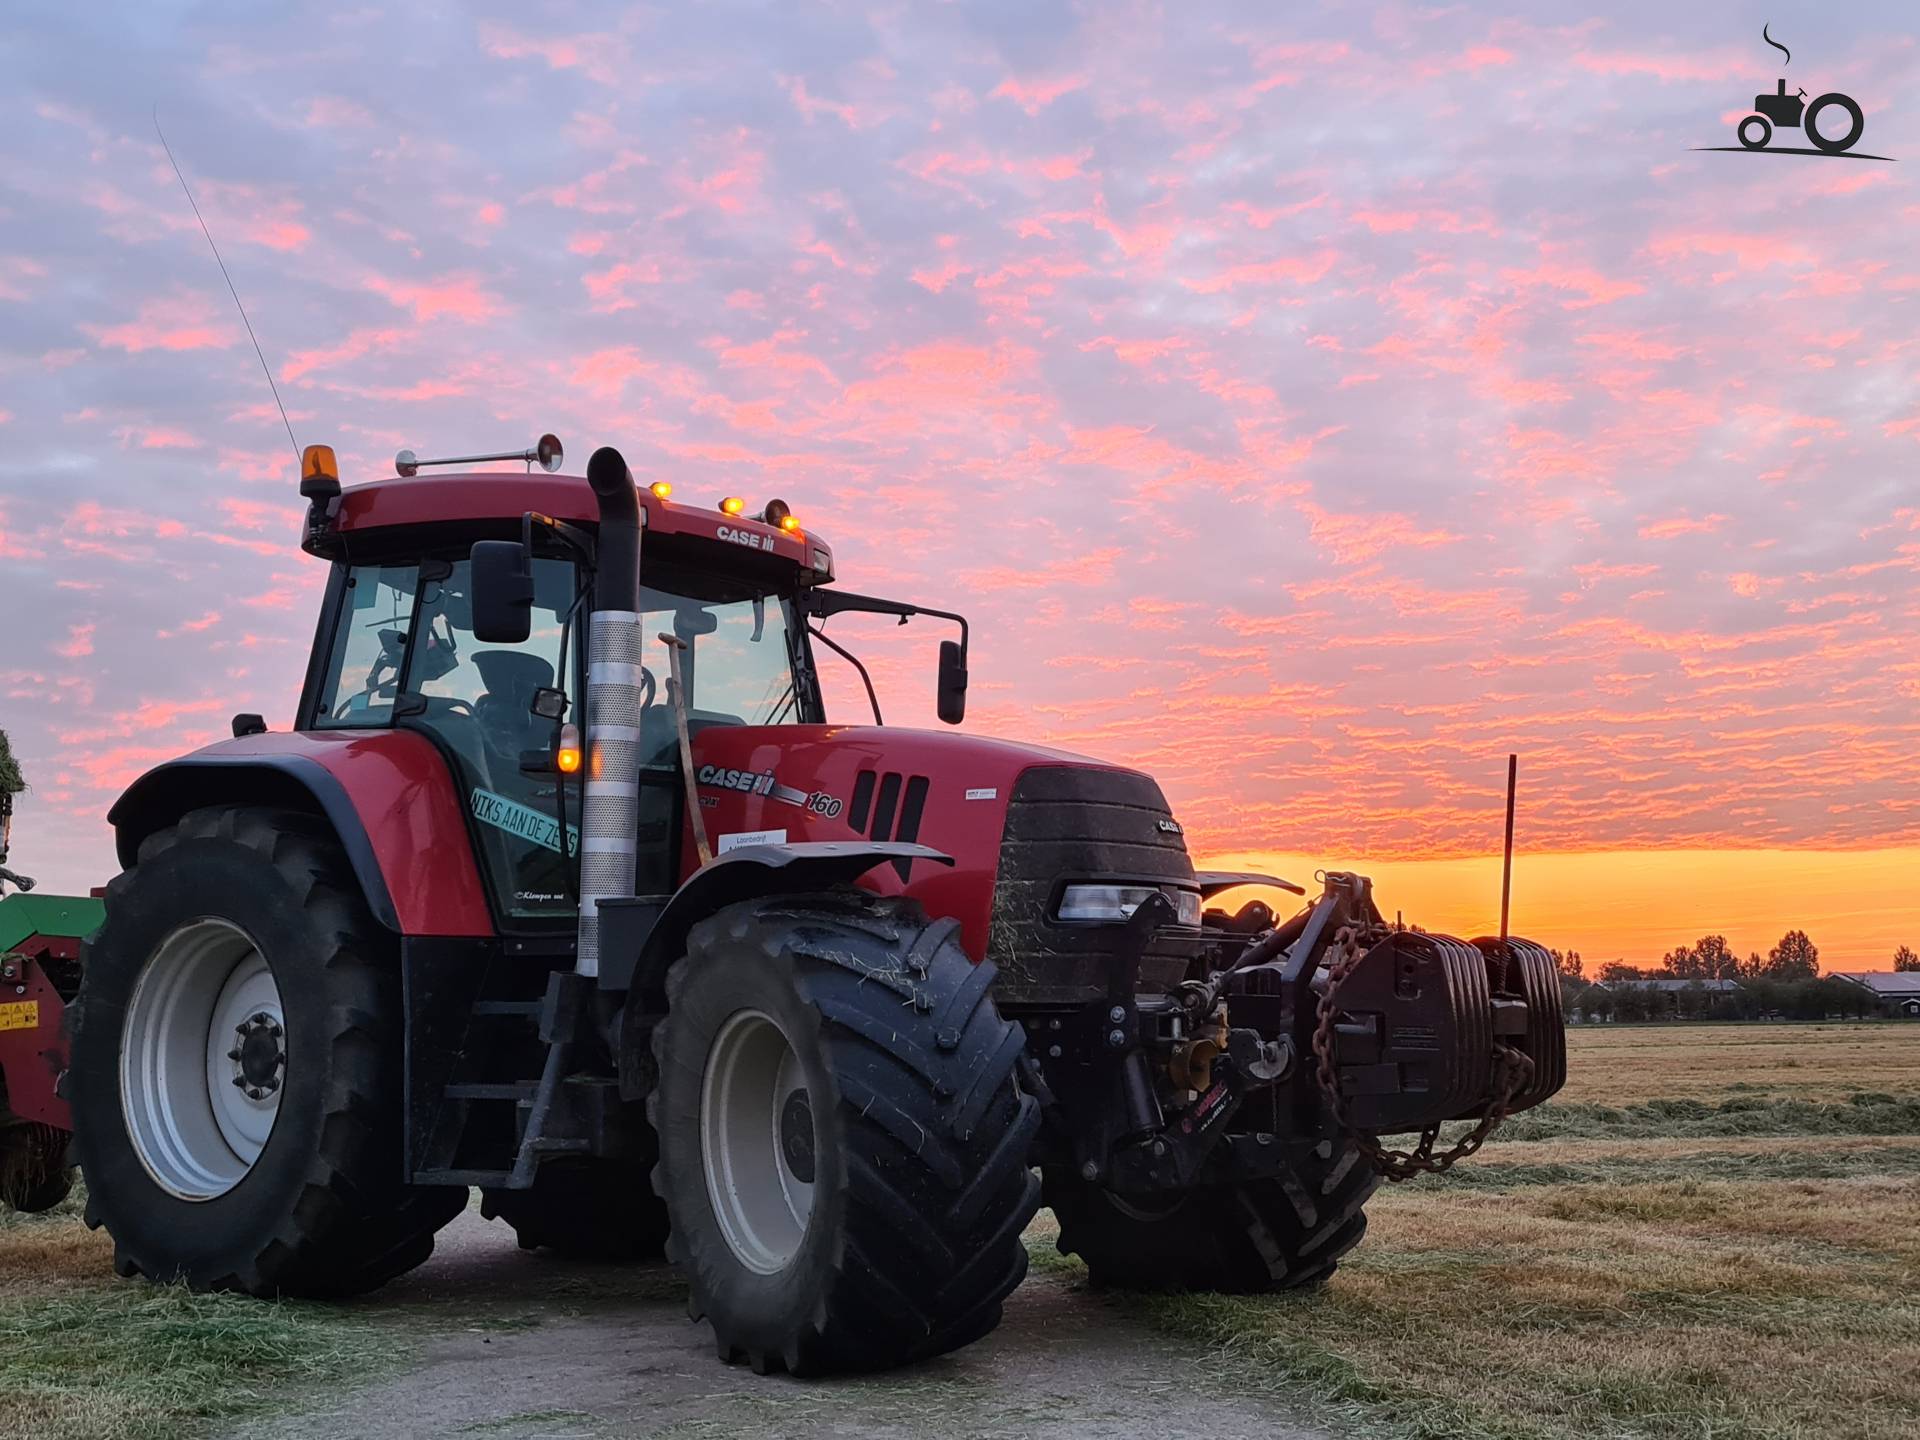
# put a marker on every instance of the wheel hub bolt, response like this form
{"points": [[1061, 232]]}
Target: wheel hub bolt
{"points": [[258, 1059]]}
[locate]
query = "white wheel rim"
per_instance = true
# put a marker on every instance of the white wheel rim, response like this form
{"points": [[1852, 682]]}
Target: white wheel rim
{"points": [[205, 1014], [758, 1141]]}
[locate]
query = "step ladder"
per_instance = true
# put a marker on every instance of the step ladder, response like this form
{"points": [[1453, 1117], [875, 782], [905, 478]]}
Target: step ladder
{"points": [[537, 1121]]}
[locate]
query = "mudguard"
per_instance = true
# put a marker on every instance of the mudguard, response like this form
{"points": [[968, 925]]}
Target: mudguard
{"points": [[387, 793], [640, 937]]}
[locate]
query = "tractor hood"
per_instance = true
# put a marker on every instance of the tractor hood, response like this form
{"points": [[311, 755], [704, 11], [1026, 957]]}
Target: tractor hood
{"points": [[980, 800]]}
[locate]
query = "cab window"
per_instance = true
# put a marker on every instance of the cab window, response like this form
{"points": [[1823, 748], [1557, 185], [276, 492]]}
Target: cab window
{"points": [[407, 630], [370, 645]]}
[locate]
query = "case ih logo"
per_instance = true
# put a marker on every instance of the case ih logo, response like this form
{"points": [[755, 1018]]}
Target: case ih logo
{"points": [[1833, 121]]}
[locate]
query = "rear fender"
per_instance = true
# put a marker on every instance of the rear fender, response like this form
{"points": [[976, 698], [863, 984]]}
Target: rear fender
{"points": [[640, 939], [387, 795]]}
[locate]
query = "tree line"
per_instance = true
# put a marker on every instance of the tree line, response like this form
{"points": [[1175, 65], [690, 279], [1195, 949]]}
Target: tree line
{"points": [[1784, 983], [1796, 957]]}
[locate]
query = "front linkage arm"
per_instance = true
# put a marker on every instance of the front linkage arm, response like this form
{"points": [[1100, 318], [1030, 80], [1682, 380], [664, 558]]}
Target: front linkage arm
{"points": [[1401, 1031]]}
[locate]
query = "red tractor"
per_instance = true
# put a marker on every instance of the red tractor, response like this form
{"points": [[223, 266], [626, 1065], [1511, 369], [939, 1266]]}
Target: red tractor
{"points": [[564, 887]]}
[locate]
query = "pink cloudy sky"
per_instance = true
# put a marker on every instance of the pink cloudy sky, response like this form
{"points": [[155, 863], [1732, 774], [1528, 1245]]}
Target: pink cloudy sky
{"points": [[1309, 404]]}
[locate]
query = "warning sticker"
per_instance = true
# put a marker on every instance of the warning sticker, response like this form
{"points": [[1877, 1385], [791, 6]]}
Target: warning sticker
{"points": [[522, 821], [749, 837], [20, 1015]]}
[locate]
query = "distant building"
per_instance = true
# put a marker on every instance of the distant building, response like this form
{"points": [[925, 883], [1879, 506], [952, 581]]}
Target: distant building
{"points": [[1897, 992]]}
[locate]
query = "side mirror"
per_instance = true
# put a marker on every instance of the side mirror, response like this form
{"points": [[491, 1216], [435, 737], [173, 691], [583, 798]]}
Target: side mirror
{"points": [[501, 581], [953, 683]]}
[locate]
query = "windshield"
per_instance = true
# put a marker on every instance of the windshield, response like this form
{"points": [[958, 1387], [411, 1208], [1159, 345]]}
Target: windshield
{"points": [[738, 664]]}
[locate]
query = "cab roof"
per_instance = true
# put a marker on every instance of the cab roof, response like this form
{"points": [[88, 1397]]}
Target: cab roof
{"points": [[479, 496]]}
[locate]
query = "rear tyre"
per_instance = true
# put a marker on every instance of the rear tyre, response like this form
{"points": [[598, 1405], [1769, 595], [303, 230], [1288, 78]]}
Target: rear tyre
{"points": [[585, 1210], [1286, 1233], [236, 1067], [1834, 144], [843, 1144]]}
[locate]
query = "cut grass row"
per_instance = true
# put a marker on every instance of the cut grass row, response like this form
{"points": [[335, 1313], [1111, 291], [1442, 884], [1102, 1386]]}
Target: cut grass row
{"points": [[1624, 1064], [85, 1356], [1734, 1259], [1544, 1312], [1862, 1113]]}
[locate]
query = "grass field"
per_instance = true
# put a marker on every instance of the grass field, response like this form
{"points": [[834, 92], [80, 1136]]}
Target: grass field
{"points": [[86, 1356], [1716, 1233]]}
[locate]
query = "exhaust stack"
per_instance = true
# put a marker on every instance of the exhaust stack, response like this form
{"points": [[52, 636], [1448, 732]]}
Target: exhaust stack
{"points": [[609, 822]]}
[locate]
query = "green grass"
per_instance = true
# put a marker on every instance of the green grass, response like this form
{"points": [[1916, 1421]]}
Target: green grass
{"points": [[124, 1361], [1862, 1113], [85, 1355], [1495, 1172]]}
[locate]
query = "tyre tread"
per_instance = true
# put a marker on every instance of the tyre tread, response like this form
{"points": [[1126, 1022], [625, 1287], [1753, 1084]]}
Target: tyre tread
{"points": [[351, 1227], [937, 1186], [1284, 1233]]}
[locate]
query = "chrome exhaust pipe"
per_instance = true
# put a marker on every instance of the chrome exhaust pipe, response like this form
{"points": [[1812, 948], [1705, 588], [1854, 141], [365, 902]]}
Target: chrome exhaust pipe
{"points": [[610, 814]]}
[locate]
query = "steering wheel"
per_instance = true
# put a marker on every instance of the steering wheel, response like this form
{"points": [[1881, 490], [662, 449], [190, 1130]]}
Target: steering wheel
{"points": [[345, 707], [648, 686]]}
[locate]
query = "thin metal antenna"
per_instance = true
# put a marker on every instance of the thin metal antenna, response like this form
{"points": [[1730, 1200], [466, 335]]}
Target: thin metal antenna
{"points": [[1506, 869], [229, 279]]}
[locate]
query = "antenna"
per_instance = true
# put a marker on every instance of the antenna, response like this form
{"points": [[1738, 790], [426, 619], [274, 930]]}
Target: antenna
{"points": [[1506, 869], [229, 279]]}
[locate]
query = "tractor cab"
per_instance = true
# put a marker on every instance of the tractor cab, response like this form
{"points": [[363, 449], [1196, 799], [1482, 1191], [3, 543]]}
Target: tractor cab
{"points": [[405, 642]]}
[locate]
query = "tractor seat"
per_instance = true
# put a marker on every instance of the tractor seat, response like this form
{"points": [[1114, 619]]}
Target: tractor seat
{"points": [[511, 677]]}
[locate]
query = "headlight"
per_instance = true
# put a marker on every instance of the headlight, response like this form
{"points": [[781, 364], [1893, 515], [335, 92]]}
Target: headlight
{"points": [[1112, 903]]}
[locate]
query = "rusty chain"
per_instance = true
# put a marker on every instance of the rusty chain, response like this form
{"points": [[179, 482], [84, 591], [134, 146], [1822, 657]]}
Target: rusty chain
{"points": [[1512, 1070]]}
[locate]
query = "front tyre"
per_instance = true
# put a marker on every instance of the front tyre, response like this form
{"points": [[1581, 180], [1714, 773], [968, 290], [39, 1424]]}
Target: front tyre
{"points": [[236, 1067], [843, 1144], [1283, 1233]]}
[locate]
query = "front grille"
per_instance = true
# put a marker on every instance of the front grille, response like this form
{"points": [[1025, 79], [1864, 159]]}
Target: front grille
{"points": [[894, 811], [1070, 823]]}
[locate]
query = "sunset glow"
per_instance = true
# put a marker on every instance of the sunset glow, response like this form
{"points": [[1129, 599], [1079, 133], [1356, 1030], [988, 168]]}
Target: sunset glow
{"points": [[1308, 407]]}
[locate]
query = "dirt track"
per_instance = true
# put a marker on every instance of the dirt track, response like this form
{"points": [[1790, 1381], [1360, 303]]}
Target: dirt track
{"points": [[522, 1346]]}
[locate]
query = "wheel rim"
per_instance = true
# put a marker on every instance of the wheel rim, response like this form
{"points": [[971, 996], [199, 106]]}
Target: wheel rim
{"points": [[758, 1141], [203, 1063]]}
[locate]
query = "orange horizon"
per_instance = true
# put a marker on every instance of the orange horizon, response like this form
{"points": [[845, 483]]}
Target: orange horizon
{"points": [[1858, 906]]}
